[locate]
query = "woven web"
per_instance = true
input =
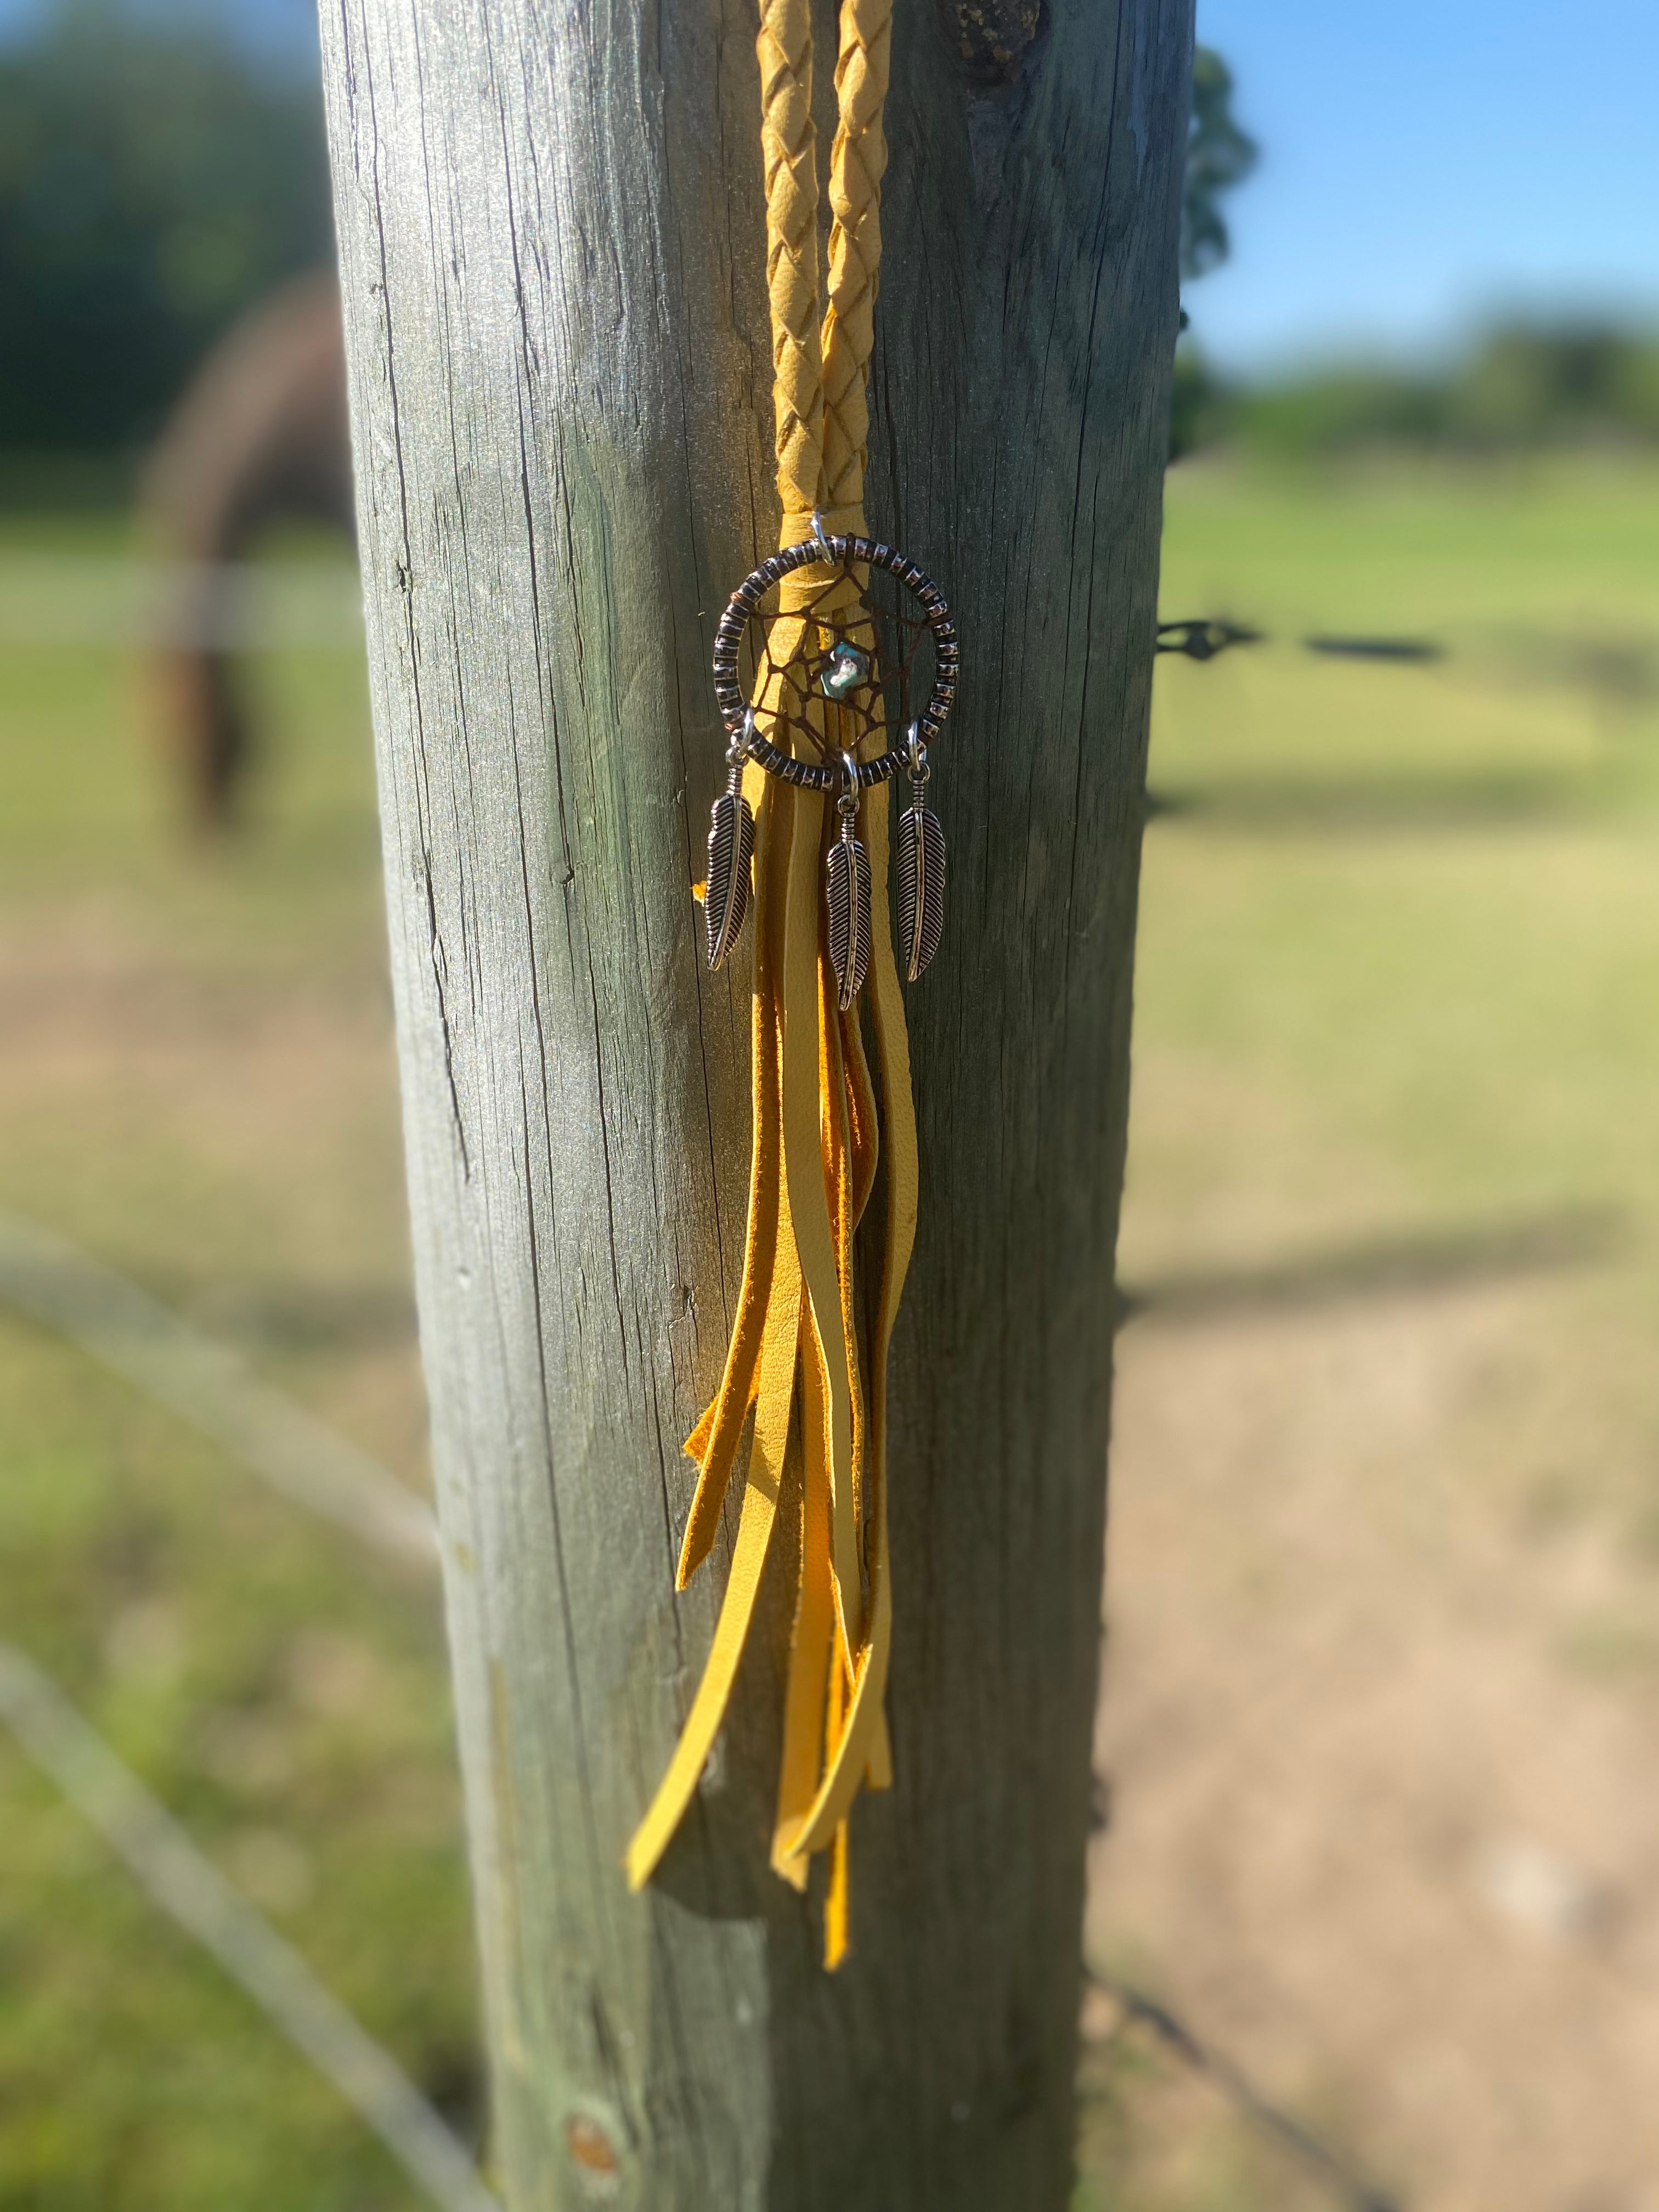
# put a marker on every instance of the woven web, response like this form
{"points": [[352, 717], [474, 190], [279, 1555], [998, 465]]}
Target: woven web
{"points": [[783, 666]]}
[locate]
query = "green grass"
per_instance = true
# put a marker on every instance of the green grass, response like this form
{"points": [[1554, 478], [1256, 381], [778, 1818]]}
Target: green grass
{"points": [[1399, 966], [1397, 979], [1423, 898], [199, 1085]]}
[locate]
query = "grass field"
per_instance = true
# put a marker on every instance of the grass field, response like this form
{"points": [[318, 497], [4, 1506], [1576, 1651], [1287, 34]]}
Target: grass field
{"points": [[1387, 1480], [1384, 1656], [197, 1085]]}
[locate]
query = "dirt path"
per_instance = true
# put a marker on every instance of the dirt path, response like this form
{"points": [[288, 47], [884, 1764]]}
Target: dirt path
{"points": [[1379, 1729]]}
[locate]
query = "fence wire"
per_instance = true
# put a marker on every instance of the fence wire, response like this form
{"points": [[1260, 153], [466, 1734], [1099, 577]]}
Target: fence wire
{"points": [[191, 1889]]}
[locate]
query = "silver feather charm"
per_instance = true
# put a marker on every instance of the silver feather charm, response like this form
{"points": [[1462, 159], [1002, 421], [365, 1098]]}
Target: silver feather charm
{"points": [[731, 848], [920, 885], [847, 897]]}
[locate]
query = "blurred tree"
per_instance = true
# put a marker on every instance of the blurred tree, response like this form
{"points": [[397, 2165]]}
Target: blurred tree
{"points": [[154, 180], [1199, 401], [1519, 385], [1529, 384], [1218, 157]]}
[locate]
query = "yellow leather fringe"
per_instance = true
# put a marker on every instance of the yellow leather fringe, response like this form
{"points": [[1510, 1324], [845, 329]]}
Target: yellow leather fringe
{"points": [[794, 1345]]}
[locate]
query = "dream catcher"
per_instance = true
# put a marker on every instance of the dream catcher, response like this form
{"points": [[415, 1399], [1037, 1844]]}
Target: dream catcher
{"points": [[835, 667], [850, 648]]}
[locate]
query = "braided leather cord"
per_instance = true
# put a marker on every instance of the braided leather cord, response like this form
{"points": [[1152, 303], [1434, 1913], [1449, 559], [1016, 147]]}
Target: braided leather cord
{"points": [[789, 162], [819, 379], [858, 161]]}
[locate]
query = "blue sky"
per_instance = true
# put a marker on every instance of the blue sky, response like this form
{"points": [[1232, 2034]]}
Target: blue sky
{"points": [[1427, 162]]}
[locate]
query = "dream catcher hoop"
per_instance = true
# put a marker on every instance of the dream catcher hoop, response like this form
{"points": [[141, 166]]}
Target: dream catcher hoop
{"points": [[848, 649]]}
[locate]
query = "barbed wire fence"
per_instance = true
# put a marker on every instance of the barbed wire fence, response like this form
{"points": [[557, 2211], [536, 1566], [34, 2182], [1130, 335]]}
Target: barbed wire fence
{"points": [[211, 1387], [1332, 2167], [190, 1889]]}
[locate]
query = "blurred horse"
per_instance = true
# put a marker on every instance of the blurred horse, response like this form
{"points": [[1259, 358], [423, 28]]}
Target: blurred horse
{"points": [[258, 435]]}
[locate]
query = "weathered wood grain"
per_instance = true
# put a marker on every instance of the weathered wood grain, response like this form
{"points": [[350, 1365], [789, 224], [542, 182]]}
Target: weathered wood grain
{"points": [[551, 251]]}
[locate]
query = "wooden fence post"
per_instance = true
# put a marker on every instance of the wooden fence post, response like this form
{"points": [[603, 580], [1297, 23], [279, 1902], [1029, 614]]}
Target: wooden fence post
{"points": [[551, 241]]}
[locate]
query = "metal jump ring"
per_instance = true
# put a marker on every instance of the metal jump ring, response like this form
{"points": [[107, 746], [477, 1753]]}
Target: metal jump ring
{"points": [[847, 803], [738, 715], [742, 739]]}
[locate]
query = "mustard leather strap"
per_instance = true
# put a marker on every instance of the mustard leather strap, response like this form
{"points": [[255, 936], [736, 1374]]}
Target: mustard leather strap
{"points": [[777, 1351], [793, 1352]]}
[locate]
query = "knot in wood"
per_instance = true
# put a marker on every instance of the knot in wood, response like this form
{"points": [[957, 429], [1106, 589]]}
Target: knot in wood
{"points": [[993, 36]]}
